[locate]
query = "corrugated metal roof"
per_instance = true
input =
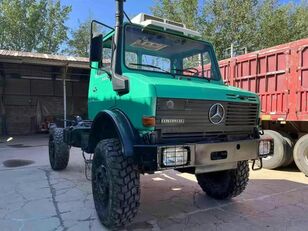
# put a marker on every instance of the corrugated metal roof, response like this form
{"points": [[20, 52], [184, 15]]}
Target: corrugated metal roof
{"points": [[42, 56], [39, 58]]}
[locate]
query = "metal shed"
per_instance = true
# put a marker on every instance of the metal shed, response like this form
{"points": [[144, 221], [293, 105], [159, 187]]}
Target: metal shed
{"points": [[36, 89]]}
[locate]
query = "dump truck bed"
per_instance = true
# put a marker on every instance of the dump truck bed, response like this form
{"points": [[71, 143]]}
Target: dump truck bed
{"points": [[279, 75]]}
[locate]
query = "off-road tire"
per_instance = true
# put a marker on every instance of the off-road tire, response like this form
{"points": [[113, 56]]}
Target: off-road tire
{"points": [[280, 155], [59, 152], [115, 184], [301, 154], [225, 184]]}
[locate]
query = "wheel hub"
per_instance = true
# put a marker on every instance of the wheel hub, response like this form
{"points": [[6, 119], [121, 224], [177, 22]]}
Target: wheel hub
{"points": [[102, 181]]}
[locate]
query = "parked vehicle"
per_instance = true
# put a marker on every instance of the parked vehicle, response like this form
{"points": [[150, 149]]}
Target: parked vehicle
{"points": [[279, 75], [152, 110]]}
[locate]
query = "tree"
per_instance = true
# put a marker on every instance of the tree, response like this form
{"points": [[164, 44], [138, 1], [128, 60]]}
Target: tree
{"points": [[185, 11], [79, 43], [219, 21], [228, 21], [299, 21], [273, 24], [33, 25], [253, 24]]}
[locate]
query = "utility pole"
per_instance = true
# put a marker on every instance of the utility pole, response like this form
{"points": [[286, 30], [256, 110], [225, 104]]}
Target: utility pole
{"points": [[233, 49], [64, 95]]}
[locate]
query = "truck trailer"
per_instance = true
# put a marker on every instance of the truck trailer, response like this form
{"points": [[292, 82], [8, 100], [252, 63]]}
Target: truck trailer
{"points": [[279, 75]]}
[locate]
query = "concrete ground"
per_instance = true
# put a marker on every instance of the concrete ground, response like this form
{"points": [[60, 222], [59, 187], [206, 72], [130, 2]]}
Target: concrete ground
{"points": [[34, 198]]}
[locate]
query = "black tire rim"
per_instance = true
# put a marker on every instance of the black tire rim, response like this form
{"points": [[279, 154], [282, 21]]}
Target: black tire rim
{"points": [[102, 187]]}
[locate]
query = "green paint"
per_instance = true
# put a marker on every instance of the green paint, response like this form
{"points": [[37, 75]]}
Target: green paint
{"points": [[146, 86]]}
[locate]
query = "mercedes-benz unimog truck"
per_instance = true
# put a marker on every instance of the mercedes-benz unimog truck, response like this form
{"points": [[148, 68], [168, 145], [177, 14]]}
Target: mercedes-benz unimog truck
{"points": [[151, 109]]}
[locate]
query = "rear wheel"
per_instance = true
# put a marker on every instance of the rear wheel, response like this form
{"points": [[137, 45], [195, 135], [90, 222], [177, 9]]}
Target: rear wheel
{"points": [[289, 149], [280, 155], [225, 184], [59, 152], [301, 154], [115, 184]]}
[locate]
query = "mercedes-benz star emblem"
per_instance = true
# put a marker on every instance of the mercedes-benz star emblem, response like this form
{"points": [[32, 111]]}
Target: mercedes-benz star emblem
{"points": [[216, 113]]}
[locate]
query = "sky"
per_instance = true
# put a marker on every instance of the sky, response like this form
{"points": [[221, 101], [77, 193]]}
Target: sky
{"points": [[103, 10]]}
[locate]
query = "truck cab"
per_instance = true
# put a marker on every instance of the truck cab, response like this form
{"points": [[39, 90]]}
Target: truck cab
{"points": [[170, 100], [157, 101]]}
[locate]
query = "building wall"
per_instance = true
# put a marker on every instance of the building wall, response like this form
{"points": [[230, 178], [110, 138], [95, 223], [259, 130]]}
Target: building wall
{"points": [[32, 94]]}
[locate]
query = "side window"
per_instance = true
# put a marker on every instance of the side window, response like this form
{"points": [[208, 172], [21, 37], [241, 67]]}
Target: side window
{"points": [[160, 62], [131, 58], [107, 57], [107, 52], [193, 61], [196, 62], [207, 67], [191, 64]]}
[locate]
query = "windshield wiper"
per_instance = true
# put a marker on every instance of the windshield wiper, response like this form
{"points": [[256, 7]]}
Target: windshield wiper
{"points": [[183, 70], [193, 71], [152, 66]]}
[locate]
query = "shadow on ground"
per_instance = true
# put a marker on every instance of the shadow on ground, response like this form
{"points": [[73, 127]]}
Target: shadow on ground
{"points": [[35, 198], [171, 202]]}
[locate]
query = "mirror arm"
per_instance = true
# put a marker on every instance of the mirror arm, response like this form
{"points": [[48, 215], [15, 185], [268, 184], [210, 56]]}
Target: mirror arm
{"points": [[120, 83], [108, 72], [100, 23]]}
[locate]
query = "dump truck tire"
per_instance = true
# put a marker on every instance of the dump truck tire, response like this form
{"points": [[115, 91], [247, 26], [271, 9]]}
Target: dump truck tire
{"points": [[280, 155], [225, 184], [288, 150], [59, 152], [115, 184], [301, 154]]}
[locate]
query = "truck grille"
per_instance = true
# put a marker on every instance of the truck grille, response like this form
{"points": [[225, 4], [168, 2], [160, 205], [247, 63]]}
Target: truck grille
{"points": [[241, 114], [182, 118]]}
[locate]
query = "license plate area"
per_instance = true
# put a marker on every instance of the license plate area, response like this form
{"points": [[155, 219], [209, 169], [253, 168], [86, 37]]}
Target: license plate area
{"points": [[219, 155]]}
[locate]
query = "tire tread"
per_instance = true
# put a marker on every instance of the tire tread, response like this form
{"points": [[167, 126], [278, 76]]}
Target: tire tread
{"points": [[125, 183], [233, 184], [61, 149]]}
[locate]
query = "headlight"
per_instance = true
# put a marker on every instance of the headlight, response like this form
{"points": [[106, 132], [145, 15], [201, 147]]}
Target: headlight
{"points": [[264, 147], [175, 156]]}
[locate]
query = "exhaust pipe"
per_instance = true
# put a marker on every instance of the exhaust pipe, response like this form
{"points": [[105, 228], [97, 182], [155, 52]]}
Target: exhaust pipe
{"points": [[119, 82]]}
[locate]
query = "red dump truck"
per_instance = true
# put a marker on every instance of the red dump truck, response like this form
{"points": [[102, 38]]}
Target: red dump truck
{"points": [[280, 77]]}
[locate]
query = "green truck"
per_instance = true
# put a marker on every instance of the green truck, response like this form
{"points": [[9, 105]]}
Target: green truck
{"points": [[156, 108]]}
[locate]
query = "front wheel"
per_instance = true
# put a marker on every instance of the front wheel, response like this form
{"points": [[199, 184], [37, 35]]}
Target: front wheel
{"points": [[225, 184], [115, 184]]}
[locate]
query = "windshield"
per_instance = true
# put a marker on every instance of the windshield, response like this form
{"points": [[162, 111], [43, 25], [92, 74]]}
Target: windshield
{"points": [[158, 51]]}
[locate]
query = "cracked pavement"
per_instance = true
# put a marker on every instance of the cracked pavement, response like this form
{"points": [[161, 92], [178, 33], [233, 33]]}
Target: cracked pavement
{"points": [[34, 198]]}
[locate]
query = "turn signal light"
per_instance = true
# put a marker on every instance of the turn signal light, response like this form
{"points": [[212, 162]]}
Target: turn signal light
{"points": [[148, 121]]}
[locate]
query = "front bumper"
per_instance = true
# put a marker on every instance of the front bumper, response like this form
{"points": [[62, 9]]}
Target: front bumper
{"points": [[204, 157]]}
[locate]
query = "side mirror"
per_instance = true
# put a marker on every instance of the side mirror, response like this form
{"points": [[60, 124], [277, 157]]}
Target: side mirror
{"points": [[96, 49]]}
